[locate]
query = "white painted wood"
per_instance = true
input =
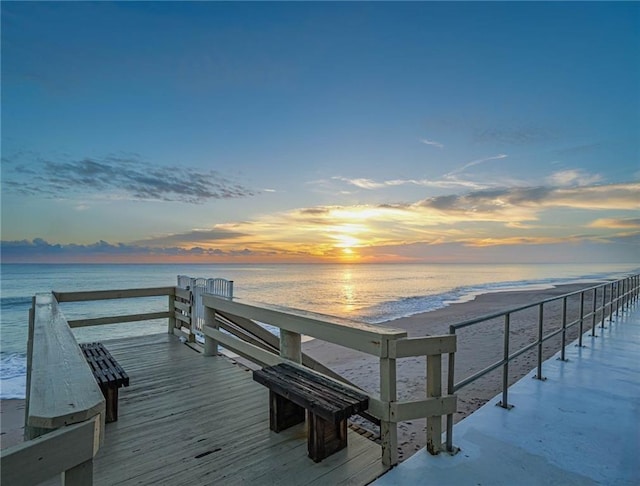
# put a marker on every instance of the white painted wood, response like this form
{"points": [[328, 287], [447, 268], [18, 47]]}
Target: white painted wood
{"points": [[99, 321], [434, 389], [210, 344], [183, 293], [249, 351], [113, 294], [422, 346], [402, 411], [356, 335], [255, 329], [29, 361], [388, 427], [181, 306], [182, 318], [171, 320], [291, 346], [37, 460], [80, 475], [62, 389]]}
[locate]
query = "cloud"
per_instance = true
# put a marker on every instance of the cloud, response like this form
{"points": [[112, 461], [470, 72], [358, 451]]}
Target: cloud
{"points": [[431, 142], [447, 181], [120, 177], [370, 184], [40, 250], [613, 223], [473, 163], [612, 196], [490, 217], [190, 238], [573, 177]]}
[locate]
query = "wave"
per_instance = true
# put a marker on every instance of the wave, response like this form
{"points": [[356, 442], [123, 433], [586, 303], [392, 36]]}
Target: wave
{"points": [[409, 306], [9, 303], [13, 372]]}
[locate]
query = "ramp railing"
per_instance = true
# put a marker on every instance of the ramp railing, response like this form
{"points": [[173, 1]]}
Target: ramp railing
{"points": [[594, 305]]}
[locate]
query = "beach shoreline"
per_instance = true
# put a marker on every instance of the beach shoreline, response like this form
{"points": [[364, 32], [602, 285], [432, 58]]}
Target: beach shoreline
{"points": [[478, 346]]}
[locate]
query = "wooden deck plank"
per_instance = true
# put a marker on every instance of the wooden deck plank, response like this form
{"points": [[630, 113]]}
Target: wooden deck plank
{"points": [[190, 419]]}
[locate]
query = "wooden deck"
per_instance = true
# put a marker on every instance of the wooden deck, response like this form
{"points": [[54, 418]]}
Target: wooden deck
{"points": [[191, 419]]}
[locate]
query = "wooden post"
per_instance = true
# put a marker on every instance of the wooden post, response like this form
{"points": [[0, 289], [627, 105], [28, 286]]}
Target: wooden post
{"points": [[80, 475], [210, 344], [172, 313], [388, 428], [434, 389], [291, 345], [28, 433]]}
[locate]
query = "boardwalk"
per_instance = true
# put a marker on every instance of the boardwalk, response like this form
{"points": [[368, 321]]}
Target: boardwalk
{"points": [[580, 427], [190, 419]]}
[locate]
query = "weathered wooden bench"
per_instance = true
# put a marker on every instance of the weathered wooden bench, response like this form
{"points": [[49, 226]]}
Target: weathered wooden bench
{"points": [[109, 375], [293, 390]]}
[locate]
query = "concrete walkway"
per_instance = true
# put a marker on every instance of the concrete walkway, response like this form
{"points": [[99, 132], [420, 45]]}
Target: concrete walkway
{"points": [[579, 427]]}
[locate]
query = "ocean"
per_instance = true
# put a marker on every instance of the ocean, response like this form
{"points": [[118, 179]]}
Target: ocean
{"points": [[372, 293]]}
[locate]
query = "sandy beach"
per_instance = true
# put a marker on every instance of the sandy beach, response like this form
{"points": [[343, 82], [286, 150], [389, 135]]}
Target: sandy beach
{"points": [[478, 346]]}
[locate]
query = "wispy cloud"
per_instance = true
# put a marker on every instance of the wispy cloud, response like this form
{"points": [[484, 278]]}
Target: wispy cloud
{"points": [[191, 238], [573, 177], [474, 163], [616, 223], [431, 142], [119, 177], [370, 184], [493, 217], [40, 250]]}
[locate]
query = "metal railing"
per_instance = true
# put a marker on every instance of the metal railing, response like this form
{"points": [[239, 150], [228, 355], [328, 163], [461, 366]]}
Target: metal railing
{"points": [[615, 297]]}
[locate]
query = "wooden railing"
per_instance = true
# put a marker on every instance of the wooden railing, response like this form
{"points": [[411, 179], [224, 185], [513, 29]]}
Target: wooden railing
{"points": [[64, 410], [386, 343]]}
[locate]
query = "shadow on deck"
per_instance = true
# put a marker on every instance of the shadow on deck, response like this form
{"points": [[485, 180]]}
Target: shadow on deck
{"points": [[191, 419]]}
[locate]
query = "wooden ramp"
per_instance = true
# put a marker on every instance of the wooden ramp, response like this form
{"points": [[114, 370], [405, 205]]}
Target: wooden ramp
{"points": [[191, 419]]}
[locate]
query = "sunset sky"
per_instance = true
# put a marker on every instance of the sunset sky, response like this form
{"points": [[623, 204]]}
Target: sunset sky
{"points": [[310, 132]]}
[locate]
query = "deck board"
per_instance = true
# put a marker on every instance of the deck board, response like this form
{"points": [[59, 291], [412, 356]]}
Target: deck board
{"points": [[191, 419]]}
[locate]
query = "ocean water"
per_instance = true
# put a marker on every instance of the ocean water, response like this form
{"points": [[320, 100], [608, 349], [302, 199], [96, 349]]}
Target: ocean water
{"points": [[370, 293]]}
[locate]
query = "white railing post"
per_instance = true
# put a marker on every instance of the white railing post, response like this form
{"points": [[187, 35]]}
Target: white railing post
{"points": [[210, 344], [291, 345], [434, 389], [172, 313], [388, 427]]}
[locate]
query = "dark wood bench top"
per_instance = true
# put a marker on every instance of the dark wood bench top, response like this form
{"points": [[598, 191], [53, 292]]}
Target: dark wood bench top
{"points": [[105, 368], [319, 395]]}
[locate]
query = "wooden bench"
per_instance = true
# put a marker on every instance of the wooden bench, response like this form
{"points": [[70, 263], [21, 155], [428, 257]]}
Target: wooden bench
{"points": [[109, 375], [329, 405]]}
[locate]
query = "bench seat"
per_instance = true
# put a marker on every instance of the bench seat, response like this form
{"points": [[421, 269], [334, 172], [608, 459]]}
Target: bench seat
{"points": [[292, 390], [108, 374]]}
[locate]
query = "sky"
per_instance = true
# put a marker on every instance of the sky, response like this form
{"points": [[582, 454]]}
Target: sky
{"points": [[320, 132]]}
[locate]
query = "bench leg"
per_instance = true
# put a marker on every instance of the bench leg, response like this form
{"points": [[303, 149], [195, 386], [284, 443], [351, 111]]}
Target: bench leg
{"points": [[283, 413], [324, 438], [111, 396]]}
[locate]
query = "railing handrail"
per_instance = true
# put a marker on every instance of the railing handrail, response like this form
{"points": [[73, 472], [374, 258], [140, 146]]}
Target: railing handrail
{"points": [[494, 315], [64, 406], [626, 292], [387, 344], [61, 387], [38, 460]]}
